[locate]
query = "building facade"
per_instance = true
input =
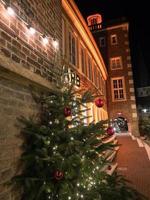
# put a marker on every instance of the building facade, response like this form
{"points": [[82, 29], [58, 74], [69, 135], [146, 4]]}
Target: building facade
{"points": [[113, 42], [37, 38], [27, 60], [81, 55]]}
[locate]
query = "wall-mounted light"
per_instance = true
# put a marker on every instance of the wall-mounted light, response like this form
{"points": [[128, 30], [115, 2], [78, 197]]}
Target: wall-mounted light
{"points": [[10, 11], [32, 30], [55, 44], [45, 40]]}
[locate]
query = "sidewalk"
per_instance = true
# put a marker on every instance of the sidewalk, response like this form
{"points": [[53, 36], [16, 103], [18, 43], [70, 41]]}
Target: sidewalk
{"points": [[133, 162]]}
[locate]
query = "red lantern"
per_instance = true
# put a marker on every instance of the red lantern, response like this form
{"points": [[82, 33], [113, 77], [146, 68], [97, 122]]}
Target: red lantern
{"points": [[99, 103], [110, 131], [67, 111], [58, 175]]}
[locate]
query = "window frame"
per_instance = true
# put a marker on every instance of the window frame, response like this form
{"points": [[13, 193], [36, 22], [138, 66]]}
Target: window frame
{"points": [[118, 89], [116, 39], [89, 68], [83, 62], [100, 41], [115, 59], [72, 58], [63, 37]]}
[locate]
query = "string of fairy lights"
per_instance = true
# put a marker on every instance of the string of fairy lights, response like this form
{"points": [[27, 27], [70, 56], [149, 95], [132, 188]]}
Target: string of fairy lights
{"points": [[45, 39]]}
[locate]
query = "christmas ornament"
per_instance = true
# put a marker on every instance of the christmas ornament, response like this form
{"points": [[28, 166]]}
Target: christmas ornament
{"points": [[67, 111], [110, 131], [109, 167], [58, 175], [99, 103]]}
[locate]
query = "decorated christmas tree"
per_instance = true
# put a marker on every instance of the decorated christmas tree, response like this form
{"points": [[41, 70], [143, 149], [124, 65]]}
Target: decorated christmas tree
{"points": [[62, 156]]}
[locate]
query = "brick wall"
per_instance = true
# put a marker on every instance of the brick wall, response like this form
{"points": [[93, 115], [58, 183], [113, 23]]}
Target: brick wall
{"points": [[28, 50], [126, 108], [24, 61]]}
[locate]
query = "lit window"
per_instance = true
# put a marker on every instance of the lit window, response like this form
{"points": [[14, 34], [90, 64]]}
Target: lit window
{"points": [[93, 21], [116, 63], [72, 49], [114, 39], [99, 81], [103, 87], [118, 89], [83, 61], [63, 38], [90, 69], [102, 41], [95, 76]]}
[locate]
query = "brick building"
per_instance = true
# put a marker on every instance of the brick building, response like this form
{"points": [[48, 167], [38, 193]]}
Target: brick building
{"points": [[113, 42], [37, 38], [35, 42], [82, 57], [27, 59]]}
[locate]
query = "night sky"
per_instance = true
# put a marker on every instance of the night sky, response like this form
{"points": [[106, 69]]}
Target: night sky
{"points": [[137, 13]]}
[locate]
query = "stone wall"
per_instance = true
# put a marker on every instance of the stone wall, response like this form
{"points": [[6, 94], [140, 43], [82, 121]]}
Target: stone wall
{"points": [[24, 62]]}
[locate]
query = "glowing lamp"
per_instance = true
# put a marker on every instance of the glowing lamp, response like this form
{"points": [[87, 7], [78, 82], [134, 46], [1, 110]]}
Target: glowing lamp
{"points": [[45, 40], [32, 31], [10, 11], [55, 44]]}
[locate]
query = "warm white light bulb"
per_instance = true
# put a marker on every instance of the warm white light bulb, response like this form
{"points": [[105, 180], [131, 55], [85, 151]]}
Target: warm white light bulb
{"points": [[45, 40], [55, 44], [32, 31], [72, 138], [10, 11]]}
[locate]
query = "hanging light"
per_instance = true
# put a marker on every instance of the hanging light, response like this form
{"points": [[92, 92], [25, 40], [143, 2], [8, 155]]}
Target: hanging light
{"points": [[10, 11]]}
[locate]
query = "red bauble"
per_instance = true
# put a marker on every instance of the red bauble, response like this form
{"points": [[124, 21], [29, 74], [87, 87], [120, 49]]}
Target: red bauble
{"points": [[109, 167], [67, 111], [110, 131], [58, 175], [99, 103]]}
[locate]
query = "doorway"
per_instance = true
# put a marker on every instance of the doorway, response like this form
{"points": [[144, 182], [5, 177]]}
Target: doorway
{"points": [[120, 124]]}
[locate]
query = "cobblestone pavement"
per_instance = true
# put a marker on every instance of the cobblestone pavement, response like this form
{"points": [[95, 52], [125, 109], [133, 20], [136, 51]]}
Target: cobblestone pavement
{"points": [[133, 162]]}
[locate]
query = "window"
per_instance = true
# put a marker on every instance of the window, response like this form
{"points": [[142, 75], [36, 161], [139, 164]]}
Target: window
{"points": [[93, 21], [83, 61], [90, 69], [72, 49], [63, 37], [116, 63], [103, 87], [102, 41], [95, 75], [118, 89], [114, 39]]}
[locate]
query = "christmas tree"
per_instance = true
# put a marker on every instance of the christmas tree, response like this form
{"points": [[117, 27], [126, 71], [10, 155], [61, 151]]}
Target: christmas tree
{"points": [[63, 157]]}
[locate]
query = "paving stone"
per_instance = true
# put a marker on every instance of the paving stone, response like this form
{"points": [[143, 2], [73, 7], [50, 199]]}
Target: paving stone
{"points": [[133, 162]]}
